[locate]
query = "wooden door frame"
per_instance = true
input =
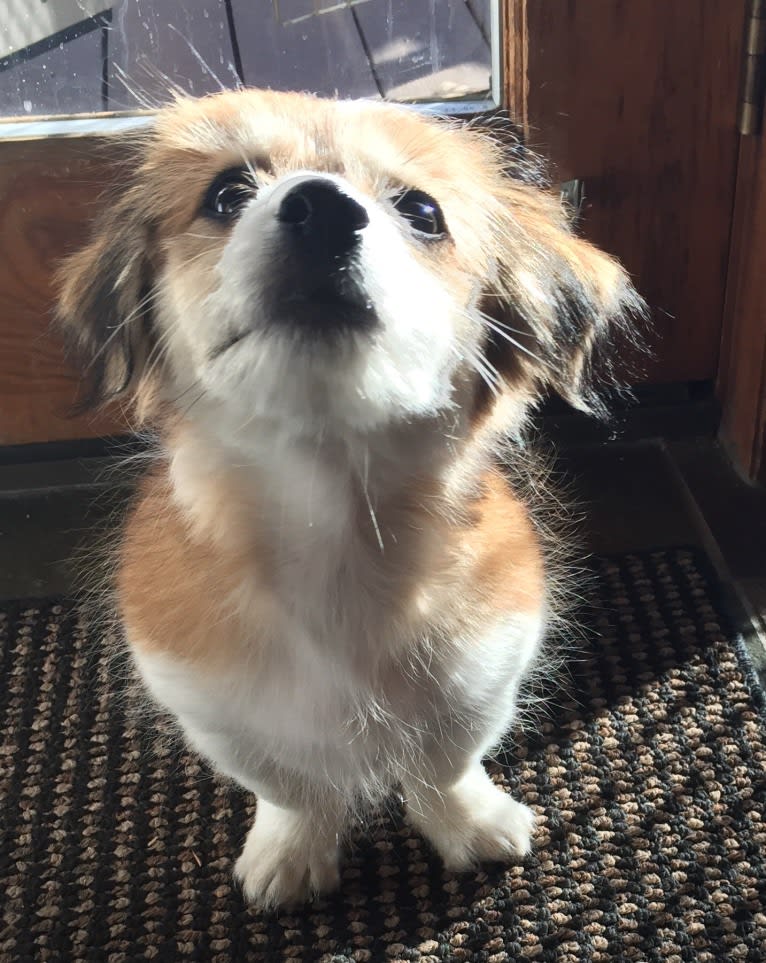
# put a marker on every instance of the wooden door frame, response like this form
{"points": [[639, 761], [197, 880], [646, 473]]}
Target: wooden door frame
{"points": [[640, 102], [513, 21], [741, 385], [740, 379]]}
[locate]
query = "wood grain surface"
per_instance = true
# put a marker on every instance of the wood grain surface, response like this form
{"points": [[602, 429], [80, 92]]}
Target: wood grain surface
{"points": [[640, 100], [742, 378], [515, 60], [48, 190]]}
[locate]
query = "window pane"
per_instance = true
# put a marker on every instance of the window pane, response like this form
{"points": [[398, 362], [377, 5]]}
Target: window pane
{"points": [[84, 56]]}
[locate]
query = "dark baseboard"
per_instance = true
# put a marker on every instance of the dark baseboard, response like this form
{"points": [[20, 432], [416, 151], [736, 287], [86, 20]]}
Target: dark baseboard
{"points": [[666, 412]]}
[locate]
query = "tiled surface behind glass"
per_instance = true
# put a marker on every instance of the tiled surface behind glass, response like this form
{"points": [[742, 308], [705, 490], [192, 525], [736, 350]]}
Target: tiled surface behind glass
{"points": [[82, 56]]}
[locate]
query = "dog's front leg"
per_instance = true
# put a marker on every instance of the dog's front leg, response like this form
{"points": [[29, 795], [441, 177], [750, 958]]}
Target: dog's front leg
{"points": [[456, 806], [289, 855], [471, 819]]}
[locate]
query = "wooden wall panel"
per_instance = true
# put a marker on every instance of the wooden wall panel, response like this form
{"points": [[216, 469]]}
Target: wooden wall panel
{"points": [[516, 60], [640, 100], [48, 191]]}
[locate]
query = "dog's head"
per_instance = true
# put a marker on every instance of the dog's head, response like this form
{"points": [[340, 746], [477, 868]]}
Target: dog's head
{"points": [[333, 265]]}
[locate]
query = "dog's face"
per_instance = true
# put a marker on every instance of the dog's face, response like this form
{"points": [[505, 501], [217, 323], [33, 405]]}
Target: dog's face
{"points": [[338, 266]]}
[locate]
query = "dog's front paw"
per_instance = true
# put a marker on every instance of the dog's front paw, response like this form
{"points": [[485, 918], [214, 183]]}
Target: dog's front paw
{"points": [[474, 821], [502, 831], [285, 860]]}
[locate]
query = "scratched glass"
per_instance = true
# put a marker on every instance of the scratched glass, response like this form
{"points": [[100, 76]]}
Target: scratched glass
{"points": [[65, 57]]}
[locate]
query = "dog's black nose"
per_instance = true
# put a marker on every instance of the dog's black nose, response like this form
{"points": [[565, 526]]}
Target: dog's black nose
{"points": [[323, 216], [318, 277]]}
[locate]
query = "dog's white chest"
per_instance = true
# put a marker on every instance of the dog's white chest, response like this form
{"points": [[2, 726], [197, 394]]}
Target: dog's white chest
{"points": [[325, 721], [299, 716]]}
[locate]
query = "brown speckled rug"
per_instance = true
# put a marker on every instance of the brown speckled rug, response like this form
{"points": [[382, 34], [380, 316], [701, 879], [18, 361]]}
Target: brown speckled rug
{"points": [[649, 785]]}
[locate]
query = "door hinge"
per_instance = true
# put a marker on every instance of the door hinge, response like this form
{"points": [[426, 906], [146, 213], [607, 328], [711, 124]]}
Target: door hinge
{"points": [[753, 70]]}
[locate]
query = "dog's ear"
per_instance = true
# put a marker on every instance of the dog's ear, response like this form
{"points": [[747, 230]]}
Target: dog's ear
{"points": [[557, 309], [104, 305]]}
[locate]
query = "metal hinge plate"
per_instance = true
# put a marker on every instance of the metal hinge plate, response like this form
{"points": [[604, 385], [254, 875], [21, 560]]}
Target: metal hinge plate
{"points": [[753, 70]]}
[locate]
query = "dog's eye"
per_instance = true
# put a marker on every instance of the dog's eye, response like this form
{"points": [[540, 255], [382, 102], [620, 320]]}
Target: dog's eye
{"points": [[229, 193], [423, 213]]}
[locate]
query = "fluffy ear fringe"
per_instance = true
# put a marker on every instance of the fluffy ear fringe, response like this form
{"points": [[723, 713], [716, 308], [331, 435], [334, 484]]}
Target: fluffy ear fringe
{"points": [[575, 307], [104, 305], [558, 310]]}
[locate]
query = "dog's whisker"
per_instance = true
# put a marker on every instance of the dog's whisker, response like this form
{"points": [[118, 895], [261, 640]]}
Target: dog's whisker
{"points": [[501, 330], [249, 166], [201, 60], [122, 325], [488, 374], [370, 509]]}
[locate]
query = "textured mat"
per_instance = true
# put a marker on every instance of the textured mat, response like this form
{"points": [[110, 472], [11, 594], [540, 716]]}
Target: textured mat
{"points": [[650, 789]]}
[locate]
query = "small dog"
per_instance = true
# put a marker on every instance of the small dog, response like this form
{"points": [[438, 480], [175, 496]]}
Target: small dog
{"points": [[336, 314]]}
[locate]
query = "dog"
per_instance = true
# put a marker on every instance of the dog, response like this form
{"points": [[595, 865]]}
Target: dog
{"points": [[337, 315]]}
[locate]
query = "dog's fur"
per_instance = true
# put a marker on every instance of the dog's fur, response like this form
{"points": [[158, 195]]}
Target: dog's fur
{"points": [[327, 580]]}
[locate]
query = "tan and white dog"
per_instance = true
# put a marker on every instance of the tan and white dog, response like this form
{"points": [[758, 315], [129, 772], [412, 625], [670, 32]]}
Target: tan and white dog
{"points": [[335, 314]]}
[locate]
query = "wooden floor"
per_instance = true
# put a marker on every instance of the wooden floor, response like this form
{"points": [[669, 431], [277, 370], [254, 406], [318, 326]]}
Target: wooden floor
{"points": [[131, 54]]}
